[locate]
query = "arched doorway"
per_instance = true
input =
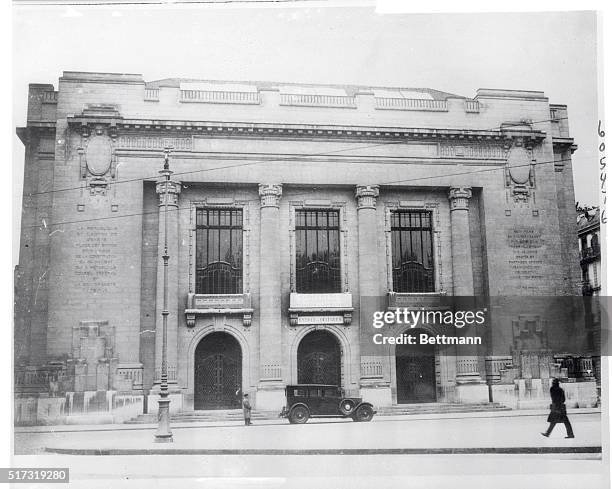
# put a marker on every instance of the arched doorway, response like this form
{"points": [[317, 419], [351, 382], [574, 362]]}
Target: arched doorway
{"points": [[415, 372], [319, 359], [218, 372]]}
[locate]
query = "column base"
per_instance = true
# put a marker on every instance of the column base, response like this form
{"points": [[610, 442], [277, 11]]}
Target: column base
{"points": [[163, 438], [270, 397], [378, 396], [472, 378], [471, 393]]}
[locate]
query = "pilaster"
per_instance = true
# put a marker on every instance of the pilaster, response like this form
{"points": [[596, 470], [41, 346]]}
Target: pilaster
{"points": [[270, 388], [168, 227], [373, 386], [463, 282]]}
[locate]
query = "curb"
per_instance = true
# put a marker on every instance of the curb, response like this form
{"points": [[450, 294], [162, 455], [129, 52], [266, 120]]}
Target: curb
{"points": [[325, 451]]}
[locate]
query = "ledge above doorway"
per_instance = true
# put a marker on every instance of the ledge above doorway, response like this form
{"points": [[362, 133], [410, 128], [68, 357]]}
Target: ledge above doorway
{"points": [[334, 308], [208, 304]]}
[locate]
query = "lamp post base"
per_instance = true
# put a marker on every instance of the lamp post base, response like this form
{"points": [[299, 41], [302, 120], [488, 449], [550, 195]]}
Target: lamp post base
{"points": [[163, 434]]}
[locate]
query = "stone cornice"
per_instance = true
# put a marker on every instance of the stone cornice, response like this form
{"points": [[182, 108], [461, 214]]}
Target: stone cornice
{"points": [[564, 144], [318, 131], [35, 126], [593, 226]]}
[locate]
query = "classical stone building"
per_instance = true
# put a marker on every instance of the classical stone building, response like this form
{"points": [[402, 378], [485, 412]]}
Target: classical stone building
{"points": [[294, 211]]}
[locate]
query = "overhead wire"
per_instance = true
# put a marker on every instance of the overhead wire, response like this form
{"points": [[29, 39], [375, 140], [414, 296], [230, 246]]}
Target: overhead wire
{"points": [[296, 157]]}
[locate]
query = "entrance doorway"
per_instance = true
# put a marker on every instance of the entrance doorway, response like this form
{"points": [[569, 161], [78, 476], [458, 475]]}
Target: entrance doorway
{"points": [[319, 359], [415, 371], [218, 372]]}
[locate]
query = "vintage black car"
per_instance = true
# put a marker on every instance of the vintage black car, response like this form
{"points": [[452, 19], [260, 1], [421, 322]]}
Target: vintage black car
{"points": [[306, 401]]}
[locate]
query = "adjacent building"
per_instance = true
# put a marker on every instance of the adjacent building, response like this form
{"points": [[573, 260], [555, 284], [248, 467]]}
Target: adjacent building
{"points": [[294, 212], [589, 245]]}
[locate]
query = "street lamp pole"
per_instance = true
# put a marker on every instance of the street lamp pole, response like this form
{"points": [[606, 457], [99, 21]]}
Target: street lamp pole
{"points": [[164, 434]]}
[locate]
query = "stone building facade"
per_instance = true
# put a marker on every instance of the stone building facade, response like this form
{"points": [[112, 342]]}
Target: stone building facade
{"points": [[289, 208], [589, 246]]}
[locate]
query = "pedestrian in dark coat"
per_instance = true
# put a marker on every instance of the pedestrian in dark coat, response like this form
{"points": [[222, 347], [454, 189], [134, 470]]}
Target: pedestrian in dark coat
{"points": [[558, 412], [246, 410]]}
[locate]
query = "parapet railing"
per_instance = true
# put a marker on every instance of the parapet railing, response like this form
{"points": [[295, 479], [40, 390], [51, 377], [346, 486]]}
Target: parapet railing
{"points": [[219, 97]]}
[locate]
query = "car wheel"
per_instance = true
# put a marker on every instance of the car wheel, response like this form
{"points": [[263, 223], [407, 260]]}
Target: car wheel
{"points": [[346, 406], [299, 415], [364, 413]]}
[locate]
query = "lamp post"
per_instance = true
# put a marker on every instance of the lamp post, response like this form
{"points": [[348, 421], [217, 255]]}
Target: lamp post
{"points": [[164, 434]]}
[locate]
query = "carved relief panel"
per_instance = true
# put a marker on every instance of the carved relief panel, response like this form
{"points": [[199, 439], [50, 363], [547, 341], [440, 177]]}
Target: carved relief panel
{"points": [[520, 172], [97, 160]]}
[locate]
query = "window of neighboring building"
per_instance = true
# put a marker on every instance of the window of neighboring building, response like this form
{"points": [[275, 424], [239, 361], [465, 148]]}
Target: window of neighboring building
{"points": [[585, 274], [317, 251], [412, 251], [595, 243], [583, 242], [219, 251]]}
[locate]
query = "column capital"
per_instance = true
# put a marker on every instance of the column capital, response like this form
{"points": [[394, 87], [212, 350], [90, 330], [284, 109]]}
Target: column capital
{"points": [[174, 189], [366, 196], [460, 198], [270, 194]]}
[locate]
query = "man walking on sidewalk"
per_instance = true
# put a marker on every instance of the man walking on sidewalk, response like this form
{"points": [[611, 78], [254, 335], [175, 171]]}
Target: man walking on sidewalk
{"points": [[558, 412], [246, 410]]}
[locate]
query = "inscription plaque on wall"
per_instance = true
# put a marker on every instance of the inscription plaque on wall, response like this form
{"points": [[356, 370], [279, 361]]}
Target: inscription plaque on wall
{"points": [[526, 260], [95, 264], [320, 320]]}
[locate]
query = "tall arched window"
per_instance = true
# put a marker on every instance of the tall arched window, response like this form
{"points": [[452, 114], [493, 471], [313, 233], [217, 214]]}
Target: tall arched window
{"points": [[412, 251], [219, 251], [317, 251]]}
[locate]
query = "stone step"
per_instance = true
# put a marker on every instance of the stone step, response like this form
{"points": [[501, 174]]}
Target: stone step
{"points": [[398, 410], [432, 408], [190, 416]]}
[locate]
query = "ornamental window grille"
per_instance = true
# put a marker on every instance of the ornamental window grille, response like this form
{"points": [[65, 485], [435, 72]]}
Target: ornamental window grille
{"points": [[317, 251], [412, 251], [218, 251]]}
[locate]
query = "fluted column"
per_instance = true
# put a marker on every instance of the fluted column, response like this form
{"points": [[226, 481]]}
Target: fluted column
{"points": [[463, 281], [171, 227], [270, 344]]}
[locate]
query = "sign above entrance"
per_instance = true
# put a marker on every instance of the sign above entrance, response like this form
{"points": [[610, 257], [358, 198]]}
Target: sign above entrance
{"points": [[320, 320], [320, 308], [223, 304]]}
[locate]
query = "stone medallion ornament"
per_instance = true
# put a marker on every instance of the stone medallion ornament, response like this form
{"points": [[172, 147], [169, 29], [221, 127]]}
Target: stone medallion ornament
{"points": [[98, 155], [520, 172], [519, 164]]}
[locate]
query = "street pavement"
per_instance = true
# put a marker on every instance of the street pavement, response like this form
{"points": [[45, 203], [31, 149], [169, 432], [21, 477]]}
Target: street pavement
{"points": [[375, 468], [323, 472], [381, 433]]}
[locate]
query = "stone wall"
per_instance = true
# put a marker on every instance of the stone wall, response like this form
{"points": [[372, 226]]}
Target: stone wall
{"points": [[91, 227]]}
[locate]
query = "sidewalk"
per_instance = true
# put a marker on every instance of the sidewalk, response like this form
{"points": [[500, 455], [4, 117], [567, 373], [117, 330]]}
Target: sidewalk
{"points": [[281, 421], [406, 435]]}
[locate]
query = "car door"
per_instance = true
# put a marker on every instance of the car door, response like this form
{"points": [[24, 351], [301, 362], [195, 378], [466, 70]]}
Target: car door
{"points": [[330, 401], [315, 400]]}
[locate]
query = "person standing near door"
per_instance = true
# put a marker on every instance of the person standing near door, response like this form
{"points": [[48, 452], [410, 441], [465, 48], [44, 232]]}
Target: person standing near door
{"points": [[558, 412], [246, 410]]}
